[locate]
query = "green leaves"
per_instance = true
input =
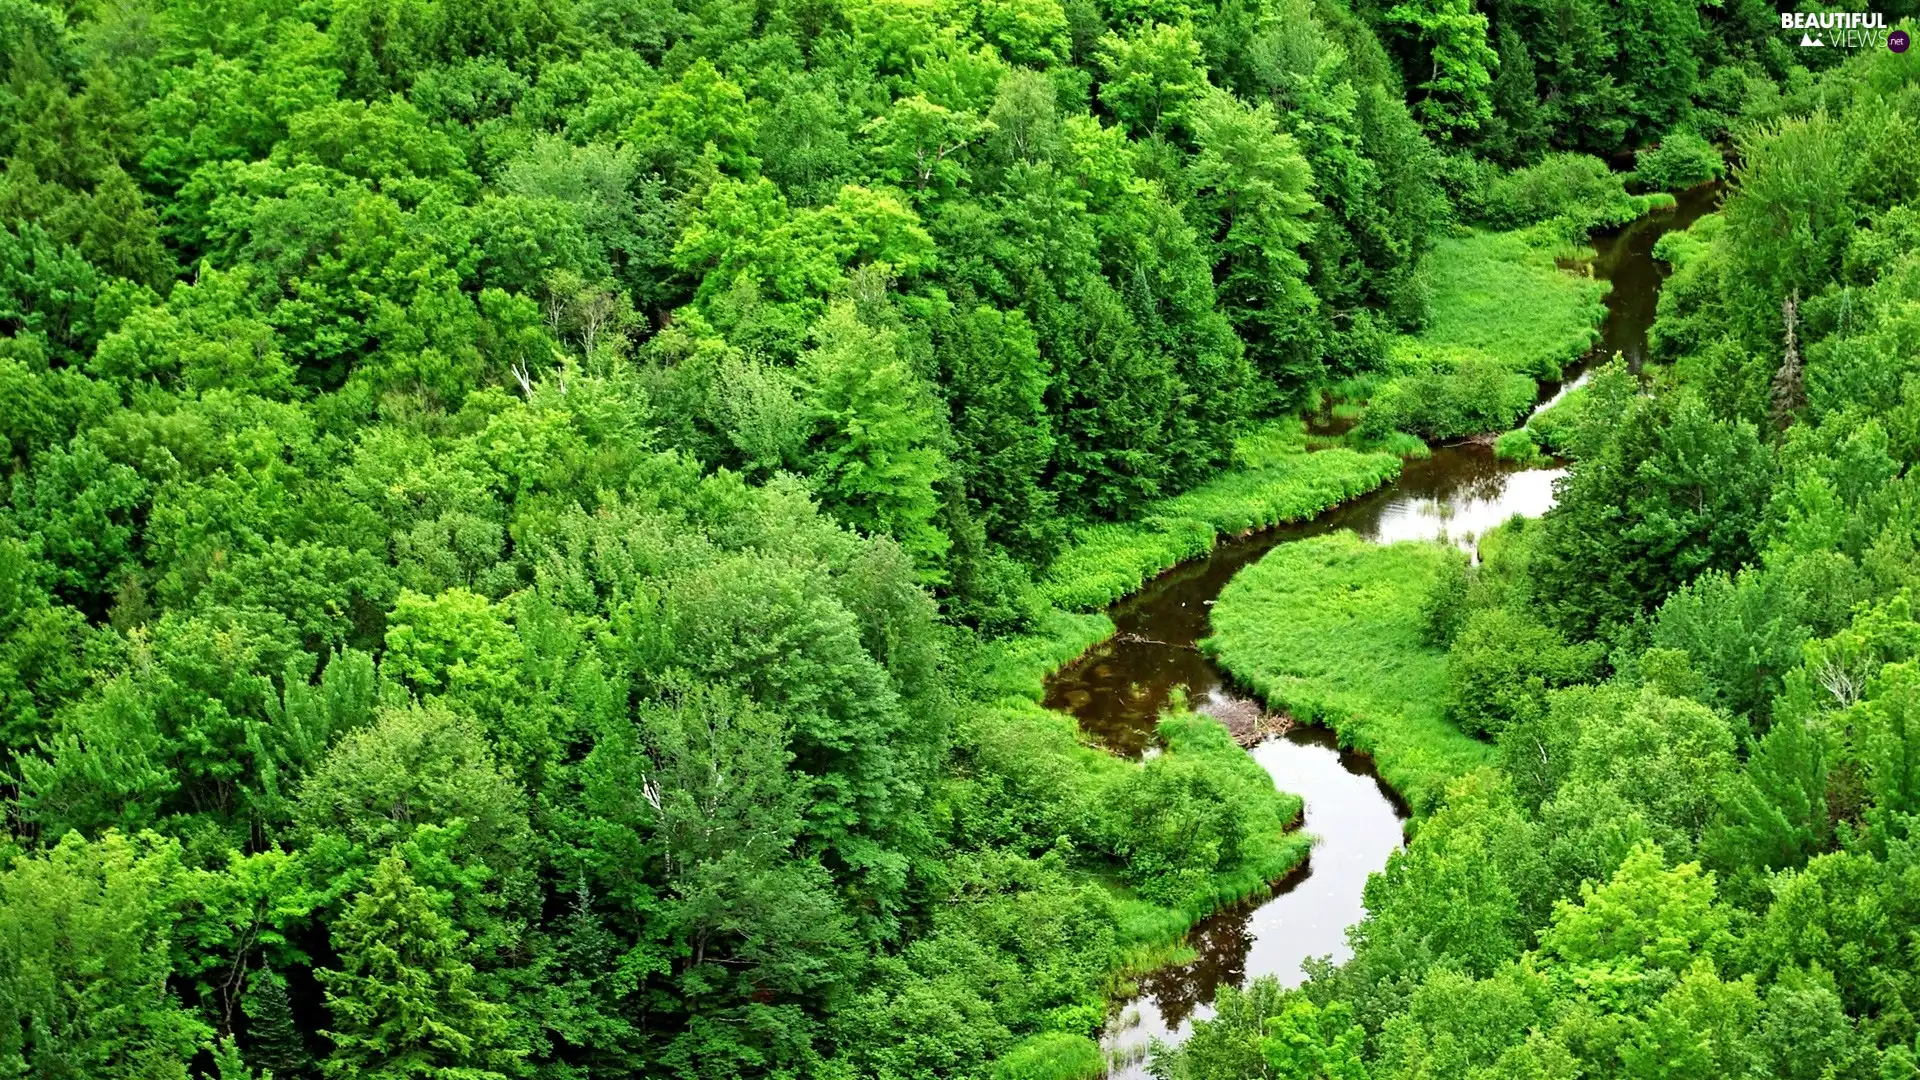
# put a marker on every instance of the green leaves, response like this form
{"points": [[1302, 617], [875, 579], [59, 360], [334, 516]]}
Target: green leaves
{"points": [[1672, 493], [85, 961], [1251, 179], [1306, 1042], [1460, 65], [699, 116], [1152, 75], [1645, 916], [876, 448]]}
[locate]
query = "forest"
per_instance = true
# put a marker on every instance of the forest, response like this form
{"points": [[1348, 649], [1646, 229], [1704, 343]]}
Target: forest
{"points": [[533, 534]]}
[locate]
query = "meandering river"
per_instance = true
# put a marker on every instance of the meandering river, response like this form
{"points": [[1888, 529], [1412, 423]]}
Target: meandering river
{"points": [[1118, 689]]}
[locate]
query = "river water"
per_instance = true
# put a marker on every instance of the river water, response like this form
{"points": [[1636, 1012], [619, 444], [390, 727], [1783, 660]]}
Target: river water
{"points": [[1118, 690]]}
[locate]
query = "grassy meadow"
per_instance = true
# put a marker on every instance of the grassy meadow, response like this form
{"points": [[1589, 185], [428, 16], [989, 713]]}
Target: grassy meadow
{"points": [[1504, 314], [1505, 295], [1329, 629]]}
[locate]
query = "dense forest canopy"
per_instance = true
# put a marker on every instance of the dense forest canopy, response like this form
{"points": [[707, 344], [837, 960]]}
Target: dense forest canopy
{"points": [[526, 528]]}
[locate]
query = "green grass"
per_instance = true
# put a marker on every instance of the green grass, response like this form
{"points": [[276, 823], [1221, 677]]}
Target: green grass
{"points": [[1518, 445], [1017, 666], [1328, 629], [1275, 481], [1052, 1055], [1552, 428], [1504, 313], [1503, 294]]}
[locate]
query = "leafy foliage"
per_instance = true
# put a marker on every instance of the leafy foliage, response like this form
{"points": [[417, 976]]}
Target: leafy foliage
{"points": [[530, 532]]}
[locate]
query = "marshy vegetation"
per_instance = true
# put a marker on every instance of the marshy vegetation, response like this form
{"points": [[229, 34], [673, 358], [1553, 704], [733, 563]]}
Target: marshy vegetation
{"points": [[1331, 630]]}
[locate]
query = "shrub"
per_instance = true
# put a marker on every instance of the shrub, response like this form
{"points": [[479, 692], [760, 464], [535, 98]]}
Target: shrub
{"points": [[1518, 445], [1551, 429], [1577, 187], [1478, 395], [1680, 161], [1501, 665], [1202, 816]]}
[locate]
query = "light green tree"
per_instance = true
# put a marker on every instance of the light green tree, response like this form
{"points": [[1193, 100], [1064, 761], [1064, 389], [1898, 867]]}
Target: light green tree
{"points": [[876, 451], [85, 955], [405, 1001], [1457, 90], [1252, 179], [1151, 75]]}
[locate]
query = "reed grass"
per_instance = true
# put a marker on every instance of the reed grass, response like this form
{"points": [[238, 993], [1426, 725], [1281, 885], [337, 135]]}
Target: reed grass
{"points": [[1052, 1055], [1506, 295], [1329, 630]]}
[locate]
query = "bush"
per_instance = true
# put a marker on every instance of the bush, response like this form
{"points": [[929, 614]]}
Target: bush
{"points": [[1478, 395], [1681, 161], [1202, 816], [1551, 429], [1577, 187], [1518, 445], [1501, 665]]}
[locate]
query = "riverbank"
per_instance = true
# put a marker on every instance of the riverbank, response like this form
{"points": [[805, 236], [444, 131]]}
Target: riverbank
{"points": [[1274, 480], [1328, 629], [1125, 857], [1117, 651], [1377, 685]]}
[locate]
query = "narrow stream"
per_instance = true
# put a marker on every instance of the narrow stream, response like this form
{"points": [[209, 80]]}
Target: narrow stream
{"points": [[1118, 690]]}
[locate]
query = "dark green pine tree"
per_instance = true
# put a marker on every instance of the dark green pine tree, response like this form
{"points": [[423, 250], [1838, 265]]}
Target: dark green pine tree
{"points": [[272, 1041]]}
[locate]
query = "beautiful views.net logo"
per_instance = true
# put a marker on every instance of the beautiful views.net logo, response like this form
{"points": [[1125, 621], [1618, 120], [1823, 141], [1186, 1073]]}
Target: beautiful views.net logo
{"points": [[1844, 30]]}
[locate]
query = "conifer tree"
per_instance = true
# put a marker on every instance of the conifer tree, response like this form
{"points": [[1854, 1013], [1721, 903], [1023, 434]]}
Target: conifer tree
{"points": [[405, 1003], [273, 1042]]}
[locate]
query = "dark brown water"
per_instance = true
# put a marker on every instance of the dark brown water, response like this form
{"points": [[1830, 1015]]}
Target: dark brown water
{"points": [[1118, 690], [1626, 260]]}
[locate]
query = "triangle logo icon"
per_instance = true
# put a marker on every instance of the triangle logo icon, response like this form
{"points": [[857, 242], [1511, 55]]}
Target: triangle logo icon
{"points": [[1809, 40]]}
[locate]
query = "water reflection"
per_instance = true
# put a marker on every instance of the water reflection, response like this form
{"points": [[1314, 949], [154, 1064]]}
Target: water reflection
{"points": [[1359, 821], [1119, 689]]}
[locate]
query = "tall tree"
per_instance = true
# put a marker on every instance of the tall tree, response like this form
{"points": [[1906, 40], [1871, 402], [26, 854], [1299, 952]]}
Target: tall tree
{"points": [[405, 1002], [877, 443], [1253, 182], [1454, 65]]}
